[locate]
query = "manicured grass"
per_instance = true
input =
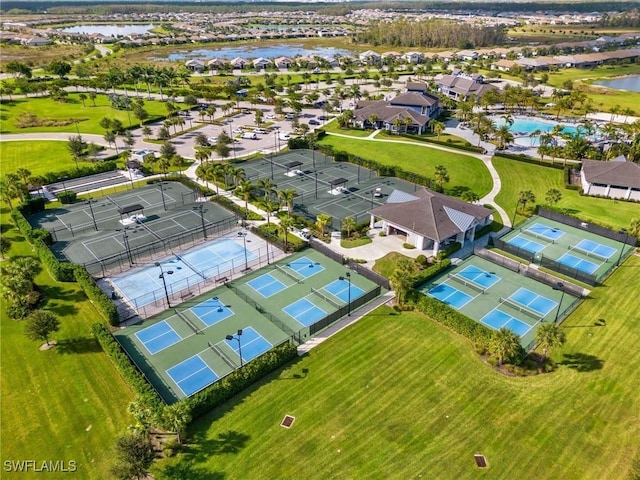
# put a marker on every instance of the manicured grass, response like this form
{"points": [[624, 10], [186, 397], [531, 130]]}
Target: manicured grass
{"points": [[386, 265], [39, 157], [68, 403], [355, 242], [421, 159], [517, 176], [397, 396], [88, 116], [334, 127]]}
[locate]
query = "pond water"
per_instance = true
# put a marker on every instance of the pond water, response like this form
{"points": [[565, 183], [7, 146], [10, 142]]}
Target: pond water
{"points": [[248, 51], [109, 30], [631, 83]]}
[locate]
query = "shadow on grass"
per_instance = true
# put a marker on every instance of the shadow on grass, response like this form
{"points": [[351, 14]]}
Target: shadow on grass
{"points": [[581, 362], [229, 442], [187, 470], [78, 345]]}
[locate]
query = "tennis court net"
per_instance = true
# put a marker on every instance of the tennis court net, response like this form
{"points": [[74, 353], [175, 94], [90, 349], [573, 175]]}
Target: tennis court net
{"points": [[222, 355], [468, 283], [522, 308], [183, 260], [288, 274], [537, 235], [187, 321], [326, 298], [588, 253]]}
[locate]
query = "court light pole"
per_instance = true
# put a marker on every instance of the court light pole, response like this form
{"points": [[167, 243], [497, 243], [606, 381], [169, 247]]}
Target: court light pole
{"points": [[626, 238], [93, 217], [348, 278], [164, 203], [244, 242], [164, 282], [201, 208], [559, 286], [316, 185], [125, 237], [237, 337]]}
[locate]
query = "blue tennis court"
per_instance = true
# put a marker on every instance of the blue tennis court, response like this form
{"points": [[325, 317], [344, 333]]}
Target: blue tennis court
{"points": [[546, 231], [478, 276], [192, 375], [158, 337], [578, 263], [212, 311], [252, 343], [526, 244], [217, 257], [450, 295], [266, 285], [305, 312], [497, 319], [305, 267], [533, 301], [340, 289], [595, 248]]}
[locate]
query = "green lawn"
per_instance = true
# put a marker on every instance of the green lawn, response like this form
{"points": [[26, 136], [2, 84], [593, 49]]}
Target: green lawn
{"points": [[517, 176], [397, 396], [39, 157], [68, 403], [463, 170], [386, 265], [88, 116]]}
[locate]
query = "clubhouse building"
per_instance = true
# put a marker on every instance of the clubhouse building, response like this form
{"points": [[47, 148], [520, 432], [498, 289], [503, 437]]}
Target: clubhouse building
{"points": [[617, 178], [429, 220]]}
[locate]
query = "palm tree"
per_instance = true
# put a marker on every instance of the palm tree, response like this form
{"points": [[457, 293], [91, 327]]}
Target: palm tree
{"points": [[438, 128], [524, 197], [348, 224], [11, 188], [24, 175], [441, 176], [287, 197], [285, 225], [505, 345], [373, 120], [203, 154], [402, 278], [176, 417], [634, 227], [322, 221], [553, 196], [267, 186], [504, 136], [469, 196], [244, 190], [548, 336]]}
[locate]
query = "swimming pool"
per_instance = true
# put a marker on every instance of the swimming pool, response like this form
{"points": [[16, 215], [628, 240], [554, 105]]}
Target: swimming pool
{"points": [[525, 126]]}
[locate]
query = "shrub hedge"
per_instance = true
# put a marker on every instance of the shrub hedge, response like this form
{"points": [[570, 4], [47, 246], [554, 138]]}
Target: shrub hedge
{"points": [[456, 321], [523, 158], [430, 272], [187, 182], [81, 171], [235, 208], [454, 247], [123, 364], [100, 300], [224, 389], [467, 148]]}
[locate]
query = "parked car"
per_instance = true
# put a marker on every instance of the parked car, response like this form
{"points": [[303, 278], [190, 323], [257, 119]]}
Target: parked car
{"points": [[284, 136], [270, 116], [259, 130], [290, 116], [323, 117], [250, 135], [313, 121], [237, 130]]}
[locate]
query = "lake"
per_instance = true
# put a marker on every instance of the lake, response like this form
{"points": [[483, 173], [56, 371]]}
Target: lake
{"points": [[248, 51], [109, 30], [631, 83]]}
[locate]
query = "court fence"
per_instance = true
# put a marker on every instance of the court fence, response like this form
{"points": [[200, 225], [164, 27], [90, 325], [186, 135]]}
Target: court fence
{"points": [[160, 247], [582, 225], [512, 249], [344, 311]]}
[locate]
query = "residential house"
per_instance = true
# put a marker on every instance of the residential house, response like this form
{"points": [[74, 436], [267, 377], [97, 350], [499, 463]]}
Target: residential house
{"points": [[283, 62], [617, 178], [239, 63], [370, 57], [503, 65], [195, 65], [461, 86], [429, 220], [261, 63], [413, 57]]}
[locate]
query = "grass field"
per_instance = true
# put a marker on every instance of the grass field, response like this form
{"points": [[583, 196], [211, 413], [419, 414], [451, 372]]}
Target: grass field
{"points": [[88, 116], [517, 176], [40, 56], [68, 403], [463, 169], [398, 396], [39, 157]]}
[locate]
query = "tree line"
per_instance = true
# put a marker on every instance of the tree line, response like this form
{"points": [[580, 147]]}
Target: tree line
{"points": [[432, 33]]}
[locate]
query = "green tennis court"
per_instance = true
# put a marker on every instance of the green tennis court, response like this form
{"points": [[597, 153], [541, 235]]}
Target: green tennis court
{"points": [[339, 189], [185, 349], [497, 297]]}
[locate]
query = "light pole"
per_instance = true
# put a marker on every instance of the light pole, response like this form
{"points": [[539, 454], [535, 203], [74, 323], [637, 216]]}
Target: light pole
{"points": [[626, 237], [95, 225], [244, 242], [164, 282], [164, 203], [233, 146], [125, 237], [237, 337], [201, 208], [348, 275], [559, 286]]}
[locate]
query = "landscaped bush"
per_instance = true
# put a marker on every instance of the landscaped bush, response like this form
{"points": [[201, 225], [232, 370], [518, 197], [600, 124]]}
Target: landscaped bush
{"points": [[235, 208], [408, 246], [67, 197], [32, 205], [124, 365], [523, 158], [81, 171], [224, 389], [422, 260], [456, 321], [273, 235], [448, 143], [42, 234], [430, 272], [187, 182], [447, 251], [100, 300]]}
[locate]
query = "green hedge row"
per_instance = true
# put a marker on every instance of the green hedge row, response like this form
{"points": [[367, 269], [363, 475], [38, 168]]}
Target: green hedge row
{"points": [[32, 205], [272, 235], [430, 272], [100, 300], [224, 389], [61, 272], [456, 321], [235, 208], [454, 247], [81, 171], [467, 148], [123, 363], [187, 182], [523, 158]]}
